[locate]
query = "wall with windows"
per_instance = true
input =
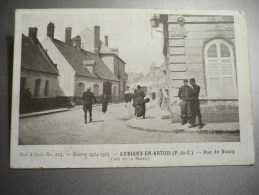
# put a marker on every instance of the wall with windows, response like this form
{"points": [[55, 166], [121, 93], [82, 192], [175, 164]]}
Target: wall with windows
{"points": [[203, 47], [40, 85], [188, 58], [82, 83]]}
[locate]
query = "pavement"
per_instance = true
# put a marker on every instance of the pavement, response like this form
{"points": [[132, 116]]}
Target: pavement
{"points": [[68, 127], [157, 121], [52, 111]]}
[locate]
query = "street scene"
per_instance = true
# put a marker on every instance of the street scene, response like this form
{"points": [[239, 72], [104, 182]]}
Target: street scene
{"points": [[114, 127], [160, 78]]}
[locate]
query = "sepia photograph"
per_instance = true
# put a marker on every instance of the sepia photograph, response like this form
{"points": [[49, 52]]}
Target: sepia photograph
{"points": [[108, 77]]}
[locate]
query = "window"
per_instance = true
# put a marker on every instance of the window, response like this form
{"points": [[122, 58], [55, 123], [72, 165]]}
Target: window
{"points": [[46, 89], [96, 90], [115, 91], [81, 88], [220, 69], [37, 87]]}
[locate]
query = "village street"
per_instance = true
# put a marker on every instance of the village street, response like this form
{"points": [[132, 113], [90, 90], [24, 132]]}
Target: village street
{"points": [[110, 128]]}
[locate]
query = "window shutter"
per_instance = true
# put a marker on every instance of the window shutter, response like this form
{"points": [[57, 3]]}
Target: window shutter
{"points": [[220, 69]]}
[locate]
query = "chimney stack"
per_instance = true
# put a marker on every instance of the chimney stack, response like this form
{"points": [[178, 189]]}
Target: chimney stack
{"points": [[78, 41], [50, 30], [68, 35], [96, 40], [106, 41], [33, 34]]}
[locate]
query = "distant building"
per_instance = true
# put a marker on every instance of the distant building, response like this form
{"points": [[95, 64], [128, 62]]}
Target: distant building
{"points": [[79, 69], [110, 56], [202, 47]]}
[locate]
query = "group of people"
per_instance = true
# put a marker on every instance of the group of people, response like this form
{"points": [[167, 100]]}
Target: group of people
{"points": [[139, 101], [138, 97], [88, 101], [190, 104]]}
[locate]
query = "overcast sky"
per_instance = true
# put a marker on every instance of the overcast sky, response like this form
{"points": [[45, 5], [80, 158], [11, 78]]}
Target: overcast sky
{"points": [[139, 45]]}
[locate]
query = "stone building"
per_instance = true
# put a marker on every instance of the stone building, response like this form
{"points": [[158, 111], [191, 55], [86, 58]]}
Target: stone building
{"points": [[39, 75], [110, 56], [202, 47], [79, 69]]}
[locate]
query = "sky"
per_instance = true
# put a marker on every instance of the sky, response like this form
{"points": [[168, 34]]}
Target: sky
{"points": [[139, 45]]}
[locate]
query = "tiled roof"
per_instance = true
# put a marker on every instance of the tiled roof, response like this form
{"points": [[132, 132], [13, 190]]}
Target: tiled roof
{"points": [[35, 58], [101, 70], [76, 58]]}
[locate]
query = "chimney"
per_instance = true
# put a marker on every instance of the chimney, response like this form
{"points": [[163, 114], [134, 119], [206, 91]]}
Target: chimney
{"points": [[33, 34], [68, 35], [106, 41], [78, 41], [96, 40], [50, 30]]}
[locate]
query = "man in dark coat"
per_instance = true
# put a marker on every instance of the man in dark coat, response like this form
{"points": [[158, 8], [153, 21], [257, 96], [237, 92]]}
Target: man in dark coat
{"points": [[88, 101], [195, 104], [105, 100], [183, 94], [140, 107]]}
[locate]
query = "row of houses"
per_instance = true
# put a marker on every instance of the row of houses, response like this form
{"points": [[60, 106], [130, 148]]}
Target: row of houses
{"points": [[55, 71]]}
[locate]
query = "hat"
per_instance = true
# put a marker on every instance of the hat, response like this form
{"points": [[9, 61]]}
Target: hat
{"points": [[185, 80], [88, 88], [192, 79]]}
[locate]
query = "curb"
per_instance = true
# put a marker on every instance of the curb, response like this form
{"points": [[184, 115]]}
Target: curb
{"points": [[43, 113], [216, 131]]}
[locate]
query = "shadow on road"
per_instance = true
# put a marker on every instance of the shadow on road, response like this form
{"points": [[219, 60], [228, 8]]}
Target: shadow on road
{"points": [[97, 121]]}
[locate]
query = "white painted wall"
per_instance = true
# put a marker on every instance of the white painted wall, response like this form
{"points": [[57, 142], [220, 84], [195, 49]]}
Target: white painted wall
{"points": [[32, 76], [90, 82], [66, 72]]}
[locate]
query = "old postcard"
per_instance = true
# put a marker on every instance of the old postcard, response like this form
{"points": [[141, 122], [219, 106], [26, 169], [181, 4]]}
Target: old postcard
{"points": [[130, 88]]}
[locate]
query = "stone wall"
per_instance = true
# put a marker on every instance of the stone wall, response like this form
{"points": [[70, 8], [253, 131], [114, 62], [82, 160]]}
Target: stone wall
{"points": [[187, 37]]}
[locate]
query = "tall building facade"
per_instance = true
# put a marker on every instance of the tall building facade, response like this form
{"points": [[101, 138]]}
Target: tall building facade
{"points": [[202, 47]]}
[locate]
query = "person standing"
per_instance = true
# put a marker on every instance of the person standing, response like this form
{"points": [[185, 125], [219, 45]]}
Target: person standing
{"points": [[105, 100], [127, 97], [88, 100], [134, 97], [160, 97], [140, 106], [195, 104], [183, 94]]}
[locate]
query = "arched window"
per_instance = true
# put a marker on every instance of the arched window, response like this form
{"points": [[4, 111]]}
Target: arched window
{"points": [[115, 91], [220, 69], [81, 88], [96, 90]]}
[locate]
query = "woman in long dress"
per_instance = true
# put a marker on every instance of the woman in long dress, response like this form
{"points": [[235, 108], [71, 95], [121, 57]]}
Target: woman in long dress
{"points": [[105, 100]]}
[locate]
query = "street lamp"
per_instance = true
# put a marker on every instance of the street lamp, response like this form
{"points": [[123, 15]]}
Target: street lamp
{"points": [[155, 21]]}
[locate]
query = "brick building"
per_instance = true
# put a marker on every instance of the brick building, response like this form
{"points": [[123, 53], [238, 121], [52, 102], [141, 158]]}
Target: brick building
{"points": [[202, 47]]}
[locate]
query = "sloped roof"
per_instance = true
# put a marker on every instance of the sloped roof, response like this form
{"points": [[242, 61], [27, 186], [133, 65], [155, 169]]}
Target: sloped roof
{"points": [[101, 70], [87, 38], [35, 58], [76, 57]]}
